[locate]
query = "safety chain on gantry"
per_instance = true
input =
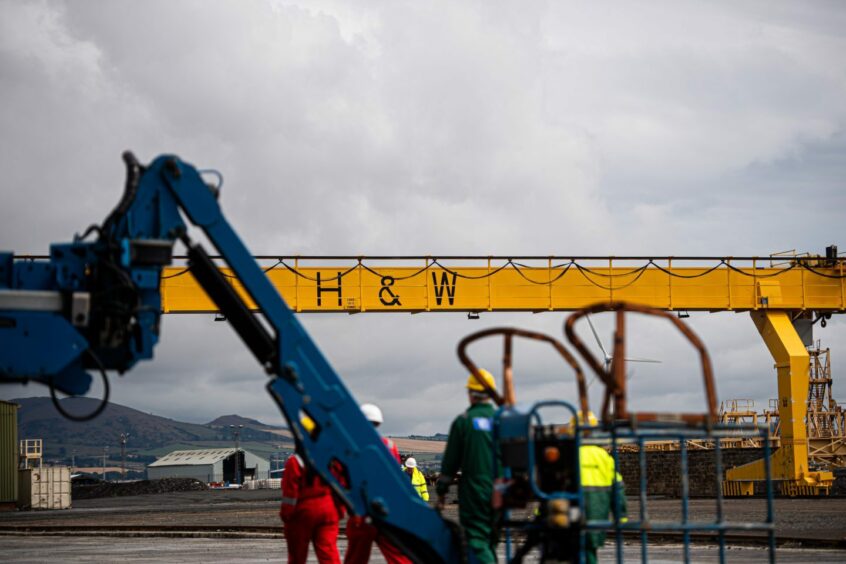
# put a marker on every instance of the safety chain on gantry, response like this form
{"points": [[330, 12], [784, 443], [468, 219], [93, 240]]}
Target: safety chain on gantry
{"points": [[414, 284]]}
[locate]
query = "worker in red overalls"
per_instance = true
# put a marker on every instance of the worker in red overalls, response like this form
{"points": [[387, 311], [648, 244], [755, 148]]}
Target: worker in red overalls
{"points": [[361, 534], [309, 511]]}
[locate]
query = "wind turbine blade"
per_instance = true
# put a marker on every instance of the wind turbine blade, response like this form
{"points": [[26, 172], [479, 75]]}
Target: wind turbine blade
{"points": [[598, 341], [652, 360]]}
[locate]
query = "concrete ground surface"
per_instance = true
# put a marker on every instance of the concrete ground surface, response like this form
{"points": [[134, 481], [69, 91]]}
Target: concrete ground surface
{"points": [[159, 550], [807, 518], [802, 518]]}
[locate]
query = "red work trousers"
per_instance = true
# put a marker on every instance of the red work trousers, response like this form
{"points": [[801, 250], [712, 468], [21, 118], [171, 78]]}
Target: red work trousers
{"points": [[360, 538], [314, 521]]}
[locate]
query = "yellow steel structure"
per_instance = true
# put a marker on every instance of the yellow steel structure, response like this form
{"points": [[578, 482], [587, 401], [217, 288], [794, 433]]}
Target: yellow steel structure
{"points": [[774, 294], [790, 462], [358, 285]]}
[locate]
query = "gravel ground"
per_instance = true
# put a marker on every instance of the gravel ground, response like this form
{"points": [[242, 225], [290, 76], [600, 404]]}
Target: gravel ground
{"points": [[807, 518], [141, 487], [212, 507], [97, 549]]}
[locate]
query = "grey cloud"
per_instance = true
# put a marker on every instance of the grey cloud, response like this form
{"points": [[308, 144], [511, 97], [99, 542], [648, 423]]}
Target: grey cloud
{"points": [[435, 129]]}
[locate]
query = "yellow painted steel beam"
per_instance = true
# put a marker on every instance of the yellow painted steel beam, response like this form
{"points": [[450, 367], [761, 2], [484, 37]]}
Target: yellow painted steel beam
{"points": [[790, 462], [424, 284], [482, 284]]}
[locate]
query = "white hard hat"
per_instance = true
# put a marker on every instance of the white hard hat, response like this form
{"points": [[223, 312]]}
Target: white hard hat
{"points": [[410, 463], [372, 413]]}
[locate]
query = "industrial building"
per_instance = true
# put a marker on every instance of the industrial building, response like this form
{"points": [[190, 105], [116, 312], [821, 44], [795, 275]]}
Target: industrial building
{"points": [[210, 465]]}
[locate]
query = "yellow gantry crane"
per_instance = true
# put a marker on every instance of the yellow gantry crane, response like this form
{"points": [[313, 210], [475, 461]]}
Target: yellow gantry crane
{"points": [[784, 295]]}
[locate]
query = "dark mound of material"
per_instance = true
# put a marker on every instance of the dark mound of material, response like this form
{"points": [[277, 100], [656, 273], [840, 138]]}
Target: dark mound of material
{"points": [[839, 488], [119, 489]]}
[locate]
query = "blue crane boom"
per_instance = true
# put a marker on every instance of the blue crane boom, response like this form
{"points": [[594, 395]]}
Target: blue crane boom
{"points": [[96, 305]]}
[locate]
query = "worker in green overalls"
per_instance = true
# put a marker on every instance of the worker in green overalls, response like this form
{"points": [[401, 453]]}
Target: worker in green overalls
{"points": [[598, 475], [469, 450]]}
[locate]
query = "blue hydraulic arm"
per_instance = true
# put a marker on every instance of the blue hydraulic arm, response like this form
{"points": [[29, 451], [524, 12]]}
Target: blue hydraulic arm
{"points": [[97, 305]]}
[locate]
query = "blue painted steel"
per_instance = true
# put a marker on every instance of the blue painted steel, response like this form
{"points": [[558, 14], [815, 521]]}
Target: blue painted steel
{"points": [[125, 296], [6, 261], [31, 274], [616, 497], [534, 414], [506, 473], [718, 477], [664, 432], [41, 346], [123, 285], [515, 423], [45, 346], [644, 517], [306, 383]]}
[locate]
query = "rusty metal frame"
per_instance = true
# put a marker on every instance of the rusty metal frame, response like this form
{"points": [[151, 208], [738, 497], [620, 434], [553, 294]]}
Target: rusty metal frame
{"points": [[615, 378], [508, 333]]}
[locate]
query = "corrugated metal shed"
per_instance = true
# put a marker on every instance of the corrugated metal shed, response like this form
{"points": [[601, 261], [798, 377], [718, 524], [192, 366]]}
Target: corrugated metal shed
{"points": [[193, 457], [8, 454], [209, 465]]}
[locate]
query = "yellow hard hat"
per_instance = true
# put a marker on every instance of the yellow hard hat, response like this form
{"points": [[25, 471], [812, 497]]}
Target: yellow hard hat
{"points": [[473, 384], [592, 421], [307, 423]]}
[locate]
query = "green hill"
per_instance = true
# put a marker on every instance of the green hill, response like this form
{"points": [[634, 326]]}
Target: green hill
{"points": [[149, 435], [152, 436]]}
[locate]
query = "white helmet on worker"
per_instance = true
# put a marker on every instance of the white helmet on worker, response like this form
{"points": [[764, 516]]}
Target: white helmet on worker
{"points": [[372, 413], [474, 385], [410, 462]]}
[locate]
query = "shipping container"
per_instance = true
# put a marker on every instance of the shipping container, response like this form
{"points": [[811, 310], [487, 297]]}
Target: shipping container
{"points": [[8, 455], [47, 487]]}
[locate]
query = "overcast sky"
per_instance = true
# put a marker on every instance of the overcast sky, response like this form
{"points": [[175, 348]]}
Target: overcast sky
{"points": [[674, 128]]}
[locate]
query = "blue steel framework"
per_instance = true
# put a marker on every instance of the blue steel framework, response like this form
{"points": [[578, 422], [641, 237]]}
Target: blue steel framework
{"points": [[644, 432], [97, 305], [641, 526], [513, 422]]}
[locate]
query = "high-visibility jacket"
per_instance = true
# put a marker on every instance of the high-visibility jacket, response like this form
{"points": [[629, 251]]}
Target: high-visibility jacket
{"points": [[597, 467], [418, 481], [598, 476]]}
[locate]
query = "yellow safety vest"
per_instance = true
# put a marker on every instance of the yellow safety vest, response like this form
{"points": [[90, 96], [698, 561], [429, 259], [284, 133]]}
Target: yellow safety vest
{"points": [[418, 481], [597, 467]]}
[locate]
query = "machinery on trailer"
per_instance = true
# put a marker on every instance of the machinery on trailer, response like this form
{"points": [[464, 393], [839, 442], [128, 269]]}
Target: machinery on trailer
{"points": [[97, 305]]}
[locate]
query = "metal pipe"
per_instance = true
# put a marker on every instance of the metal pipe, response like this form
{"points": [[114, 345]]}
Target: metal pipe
{"points": [[614, 379], [581, 384]]}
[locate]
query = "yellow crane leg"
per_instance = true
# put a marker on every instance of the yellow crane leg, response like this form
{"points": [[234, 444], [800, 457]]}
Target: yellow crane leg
{"points": [[789, 463]]}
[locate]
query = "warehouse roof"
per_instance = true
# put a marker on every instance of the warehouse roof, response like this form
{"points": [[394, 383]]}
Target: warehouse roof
{"points": [[193, 457]]}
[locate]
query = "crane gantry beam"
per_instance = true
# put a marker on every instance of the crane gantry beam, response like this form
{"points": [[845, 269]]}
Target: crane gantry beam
{"points": [[775, 290], [475, 284]]}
